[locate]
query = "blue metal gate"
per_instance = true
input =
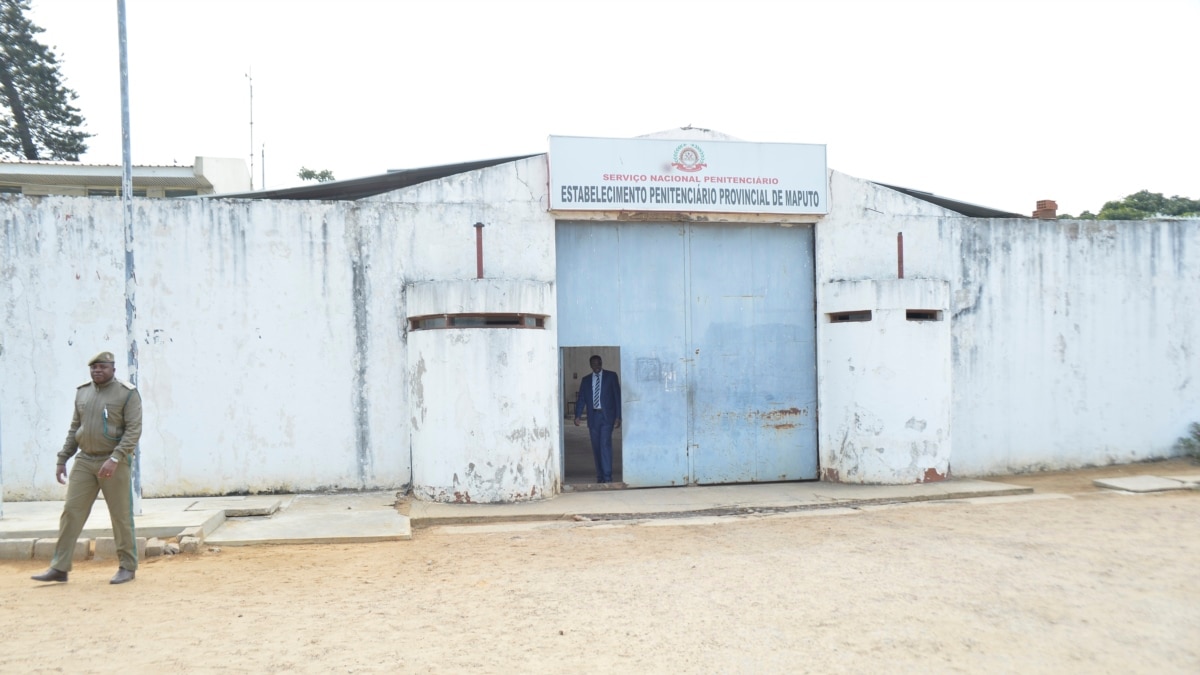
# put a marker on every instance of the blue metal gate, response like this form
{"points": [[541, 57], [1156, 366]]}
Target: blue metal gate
{"points": [[715, 327]]}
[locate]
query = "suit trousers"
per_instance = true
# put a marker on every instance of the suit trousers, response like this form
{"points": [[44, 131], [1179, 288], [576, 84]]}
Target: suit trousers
{"points": [[600, 427], [83, 485]]}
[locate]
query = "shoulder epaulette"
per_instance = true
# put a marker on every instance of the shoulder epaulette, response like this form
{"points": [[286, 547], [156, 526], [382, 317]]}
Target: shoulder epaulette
{"points": [[84, 384], [125, 384]]}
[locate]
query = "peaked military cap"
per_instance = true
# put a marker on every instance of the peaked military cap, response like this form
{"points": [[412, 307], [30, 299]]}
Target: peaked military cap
{"points": [[102, 357]]}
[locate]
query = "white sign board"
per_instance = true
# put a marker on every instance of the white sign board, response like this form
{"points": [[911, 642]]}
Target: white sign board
{"points": [[653, 174]]}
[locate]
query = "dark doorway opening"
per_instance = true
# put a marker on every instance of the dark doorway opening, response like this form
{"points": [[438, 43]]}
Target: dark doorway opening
{"points": [[579, 467]]}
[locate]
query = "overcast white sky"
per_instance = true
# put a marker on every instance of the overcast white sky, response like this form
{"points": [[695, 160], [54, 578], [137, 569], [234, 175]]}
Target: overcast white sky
{"points": [[996, 103]]}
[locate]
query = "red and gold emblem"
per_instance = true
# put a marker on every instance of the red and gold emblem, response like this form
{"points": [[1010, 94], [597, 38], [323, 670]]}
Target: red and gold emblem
{"points": [[689, 157]]}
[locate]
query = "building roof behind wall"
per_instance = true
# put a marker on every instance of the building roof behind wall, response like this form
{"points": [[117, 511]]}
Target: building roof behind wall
{"points": [[205, 174], [369, 186], [963, 208]]}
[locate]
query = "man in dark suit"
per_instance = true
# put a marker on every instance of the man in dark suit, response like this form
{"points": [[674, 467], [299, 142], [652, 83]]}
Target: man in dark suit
{"points": [[600, 397]]}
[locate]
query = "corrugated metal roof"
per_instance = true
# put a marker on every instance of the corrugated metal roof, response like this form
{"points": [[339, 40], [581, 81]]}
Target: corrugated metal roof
{"points": [[963, 208], [358, 188], [108, 181]]}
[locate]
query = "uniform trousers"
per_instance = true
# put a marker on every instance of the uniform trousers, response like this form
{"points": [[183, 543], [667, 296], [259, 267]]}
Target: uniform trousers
{"points": [[83, 485]]}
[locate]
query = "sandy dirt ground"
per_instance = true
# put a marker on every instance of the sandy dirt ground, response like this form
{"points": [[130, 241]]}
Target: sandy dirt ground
{"points": [[1093, 582]]}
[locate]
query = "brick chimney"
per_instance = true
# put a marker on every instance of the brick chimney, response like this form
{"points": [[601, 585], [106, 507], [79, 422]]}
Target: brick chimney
{"points": [[1047, 209]]}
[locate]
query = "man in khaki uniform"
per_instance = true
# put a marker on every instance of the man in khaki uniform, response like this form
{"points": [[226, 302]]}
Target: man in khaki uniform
{"points": [[104, 430]]}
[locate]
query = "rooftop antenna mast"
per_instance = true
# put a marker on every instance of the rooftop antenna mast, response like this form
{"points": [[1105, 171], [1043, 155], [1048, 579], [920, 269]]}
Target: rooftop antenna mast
{"points": [[250, 78]]}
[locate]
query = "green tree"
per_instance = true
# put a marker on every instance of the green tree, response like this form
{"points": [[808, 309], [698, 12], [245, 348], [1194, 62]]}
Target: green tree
{"points": [[1143, 205], [37, 120], [321, 176]]}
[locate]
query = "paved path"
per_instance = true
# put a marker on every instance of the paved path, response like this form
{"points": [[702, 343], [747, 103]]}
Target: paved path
{"points": [[379, 516]]}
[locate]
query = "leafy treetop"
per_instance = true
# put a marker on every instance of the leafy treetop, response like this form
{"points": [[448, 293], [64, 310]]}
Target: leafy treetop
{"points": [[1143, 205], [321, 176]]}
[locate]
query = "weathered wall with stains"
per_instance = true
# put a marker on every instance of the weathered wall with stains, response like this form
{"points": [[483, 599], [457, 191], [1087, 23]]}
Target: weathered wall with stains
{"points": [[887, 383], [1075, 342], [270, 336], [62, 299], [484, 415], [882, 386], [857, 239], [273, 351], [265, 336], [1071, 341], [483, 425]]}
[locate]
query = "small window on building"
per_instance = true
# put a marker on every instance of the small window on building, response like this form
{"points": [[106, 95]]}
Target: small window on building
{"points": [[477, 321], [181, 193], [847, 317], [10, 189], [114, 192], [923, 315]]}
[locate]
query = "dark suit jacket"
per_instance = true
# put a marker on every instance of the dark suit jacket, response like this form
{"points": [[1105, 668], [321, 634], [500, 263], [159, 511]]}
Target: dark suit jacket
{"points": [[610, 395]]}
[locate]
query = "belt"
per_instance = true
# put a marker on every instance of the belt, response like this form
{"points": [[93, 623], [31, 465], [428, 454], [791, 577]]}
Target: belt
{"points": [[90, 455]]}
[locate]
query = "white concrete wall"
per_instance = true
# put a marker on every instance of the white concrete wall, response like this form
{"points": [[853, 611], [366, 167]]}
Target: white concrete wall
{"points": [[857, 240], [271, 336], [267, 333], [885, 416], [1075, 342], [869, 375], [488, 422], [484, 426], [274, 354], [1072, 341], [62, 299]]}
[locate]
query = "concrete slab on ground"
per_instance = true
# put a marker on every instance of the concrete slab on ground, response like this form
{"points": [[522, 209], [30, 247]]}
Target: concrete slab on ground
{"points": [[320, 519], [159, 518], [1192, 478], [240, 506], [167, 524], [1140, 483], [314, 528], [711, 500]]}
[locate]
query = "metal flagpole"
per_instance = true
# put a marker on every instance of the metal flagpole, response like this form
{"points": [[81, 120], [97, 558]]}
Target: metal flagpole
{"points": [[130, 277]]}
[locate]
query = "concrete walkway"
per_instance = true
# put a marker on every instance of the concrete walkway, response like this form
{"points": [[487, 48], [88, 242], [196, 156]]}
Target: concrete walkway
{"points": [[379, 516], [28, 529], [696, 501]]}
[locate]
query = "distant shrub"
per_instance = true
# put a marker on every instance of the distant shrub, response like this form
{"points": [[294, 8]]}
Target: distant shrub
{"points": [[1190, 446]]}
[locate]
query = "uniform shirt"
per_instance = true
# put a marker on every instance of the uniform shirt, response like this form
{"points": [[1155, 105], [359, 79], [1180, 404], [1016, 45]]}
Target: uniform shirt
{"points": [[108, 418]]}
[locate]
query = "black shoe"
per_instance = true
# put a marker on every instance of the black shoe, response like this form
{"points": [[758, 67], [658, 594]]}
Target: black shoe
{"points": [[50, 574], [121, 576]]}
